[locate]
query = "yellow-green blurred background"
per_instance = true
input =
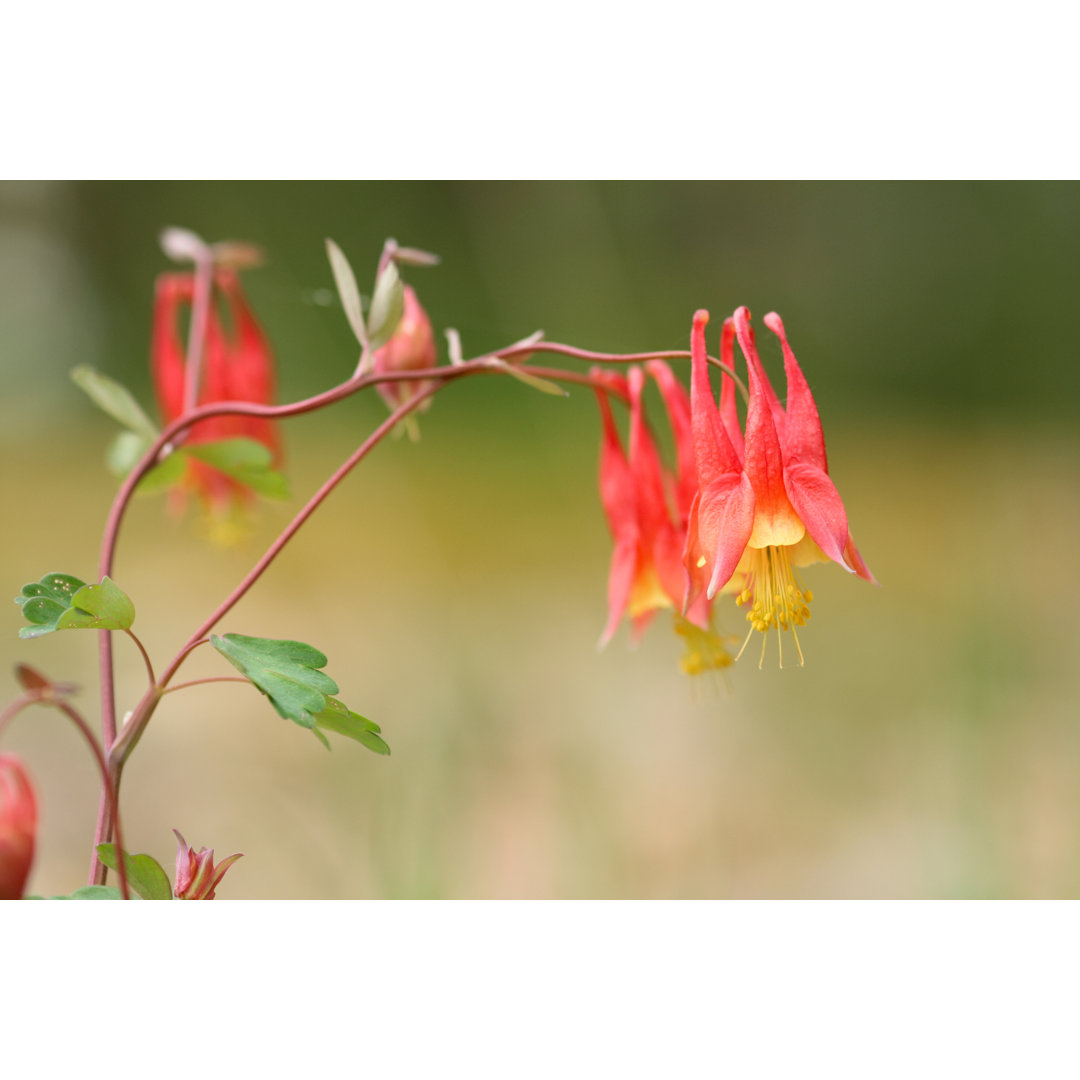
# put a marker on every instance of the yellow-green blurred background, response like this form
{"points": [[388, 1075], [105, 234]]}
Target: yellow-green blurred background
{"points": [[929, 748]]}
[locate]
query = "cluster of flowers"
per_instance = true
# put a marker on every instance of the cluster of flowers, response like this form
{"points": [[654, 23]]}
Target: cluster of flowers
{"points": [[744, 507]]}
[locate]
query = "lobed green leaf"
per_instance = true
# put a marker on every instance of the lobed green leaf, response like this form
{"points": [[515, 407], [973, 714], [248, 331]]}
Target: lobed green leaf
{"points": [[285, 671], [64, 602]]}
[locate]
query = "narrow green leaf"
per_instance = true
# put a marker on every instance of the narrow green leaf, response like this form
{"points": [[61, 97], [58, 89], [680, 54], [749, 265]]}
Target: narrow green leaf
{"points": [[345, 280], [387, 306], [543, 385], [285, 671], [144, 873], [246, 461], [340, 718], [116, 400]]}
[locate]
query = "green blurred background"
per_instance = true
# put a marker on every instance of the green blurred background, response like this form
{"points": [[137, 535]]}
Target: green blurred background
{"points": [[929, 748]]}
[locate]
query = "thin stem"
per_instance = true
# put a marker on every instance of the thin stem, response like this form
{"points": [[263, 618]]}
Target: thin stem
{"points": [[294, 526], [618, 358], [200, 682], [200, 319], [110, 787], [146, 658], [47, 697], [16, 706]]}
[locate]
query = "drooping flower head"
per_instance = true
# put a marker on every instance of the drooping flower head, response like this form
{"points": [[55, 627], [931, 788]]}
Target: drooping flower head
{"points": [[237, 366], [18, 825], [411, 348], [647, 508], [196, 875], [768, 506]]}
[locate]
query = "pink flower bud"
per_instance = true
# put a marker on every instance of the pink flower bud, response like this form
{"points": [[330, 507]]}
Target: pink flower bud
{"points": [[412, 348], [196, 875], [18, 822]]}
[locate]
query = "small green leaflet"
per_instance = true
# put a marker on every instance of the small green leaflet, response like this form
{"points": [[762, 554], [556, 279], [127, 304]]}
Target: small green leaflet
{"points": [[63, 602], [246, 461], [287, 672], [144, 873]]}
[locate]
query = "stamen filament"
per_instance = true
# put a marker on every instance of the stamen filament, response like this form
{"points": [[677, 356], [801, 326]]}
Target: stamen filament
{"points": [[775, 597]]}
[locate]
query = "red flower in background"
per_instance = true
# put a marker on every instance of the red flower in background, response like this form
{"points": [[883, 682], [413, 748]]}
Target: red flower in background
{"points": [[647, 508], [18, 824], [237, 366]]}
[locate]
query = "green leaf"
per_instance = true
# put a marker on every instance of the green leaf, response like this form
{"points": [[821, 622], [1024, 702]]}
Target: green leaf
{"points": [[144, 873], [44, 601], [345, 280], [116, 400], [387, 306], [247, 462], [98, 607], [340, 718], [63, 602], [285, 671]]}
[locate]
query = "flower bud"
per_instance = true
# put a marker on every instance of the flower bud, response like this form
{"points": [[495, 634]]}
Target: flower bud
{"points": [[18, 823], [412, 348], [196, 875]]}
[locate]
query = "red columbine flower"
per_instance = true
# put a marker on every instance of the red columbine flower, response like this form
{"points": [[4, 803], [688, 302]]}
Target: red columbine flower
{"points": [[18, 824], [196, 875], [638, 495], [237, 366], [412, 348], [768, 506]]}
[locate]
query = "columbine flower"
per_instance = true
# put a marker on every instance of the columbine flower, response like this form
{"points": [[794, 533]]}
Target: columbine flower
{"points": [[18, 823], [412, 348], [647, 509], [196, 875], [768, 506], [237, 366]]}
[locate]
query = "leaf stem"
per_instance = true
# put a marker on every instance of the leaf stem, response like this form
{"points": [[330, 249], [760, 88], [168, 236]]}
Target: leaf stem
{"points": [[200, 682], [146, 658]]}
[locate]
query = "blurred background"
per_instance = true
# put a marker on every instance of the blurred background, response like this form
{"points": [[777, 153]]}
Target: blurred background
{"points": [[929, 748]]}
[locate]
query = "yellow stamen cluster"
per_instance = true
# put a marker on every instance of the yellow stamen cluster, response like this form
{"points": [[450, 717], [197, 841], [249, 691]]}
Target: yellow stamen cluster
{"points": [[775, 595], [705, 649]]}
